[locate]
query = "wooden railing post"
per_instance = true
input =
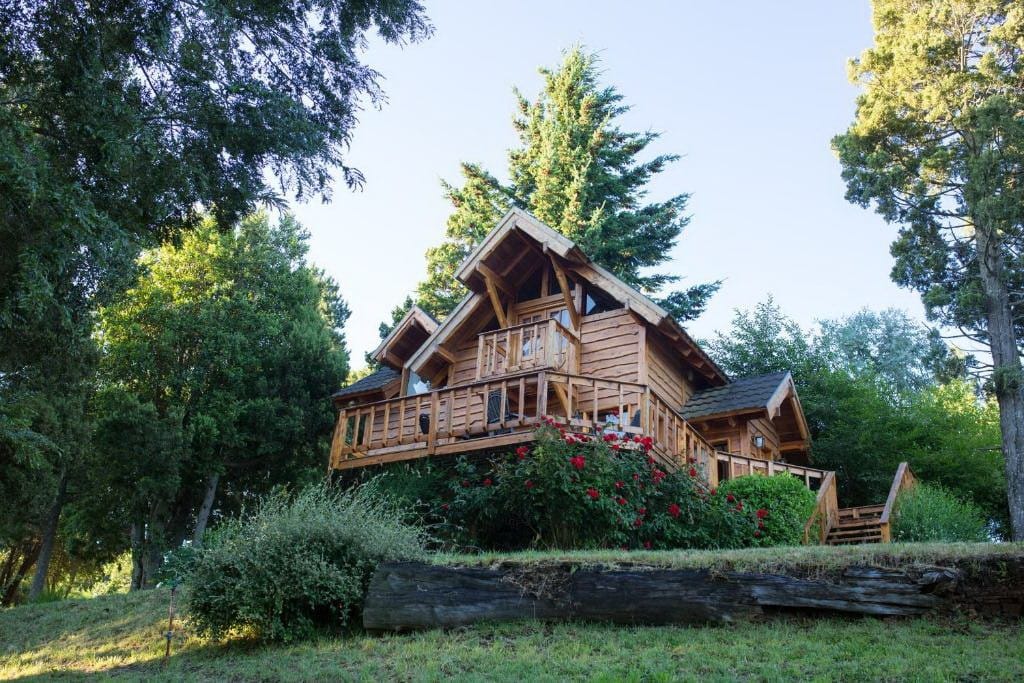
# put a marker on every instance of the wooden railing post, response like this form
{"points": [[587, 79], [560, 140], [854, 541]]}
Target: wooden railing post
{"points": [[904, 479], [435, 405]]}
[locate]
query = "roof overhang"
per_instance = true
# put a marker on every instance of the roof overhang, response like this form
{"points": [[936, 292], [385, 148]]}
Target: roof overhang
{"points": [[532, 235], [407, 336]]}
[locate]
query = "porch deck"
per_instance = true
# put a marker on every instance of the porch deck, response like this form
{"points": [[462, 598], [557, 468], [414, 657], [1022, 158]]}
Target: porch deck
{"points": [[505, 411]]}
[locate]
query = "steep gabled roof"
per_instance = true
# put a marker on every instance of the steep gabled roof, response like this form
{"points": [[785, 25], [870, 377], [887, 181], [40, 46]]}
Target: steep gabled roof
{"points": [[558, 246], [372, 382], [740, 395], [416, 325]]}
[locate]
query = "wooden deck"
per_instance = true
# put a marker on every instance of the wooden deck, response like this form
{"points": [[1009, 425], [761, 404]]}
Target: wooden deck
{"points": [[469, 418]]}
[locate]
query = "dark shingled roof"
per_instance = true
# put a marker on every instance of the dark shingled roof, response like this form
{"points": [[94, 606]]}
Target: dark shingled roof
{"points": [[740, 394], [377, 380]]}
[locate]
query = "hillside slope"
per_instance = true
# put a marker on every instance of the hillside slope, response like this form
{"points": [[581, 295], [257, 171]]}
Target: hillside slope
{"points": [[122, 636]]}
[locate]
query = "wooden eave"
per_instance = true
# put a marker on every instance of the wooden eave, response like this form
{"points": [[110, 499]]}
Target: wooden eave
{"points": [[415, 317], [486, 281]]}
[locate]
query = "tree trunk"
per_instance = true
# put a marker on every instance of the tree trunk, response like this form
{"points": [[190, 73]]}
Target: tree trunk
{"points": [[31, 552], [204, 510], [49, 539], [1007, 376]]}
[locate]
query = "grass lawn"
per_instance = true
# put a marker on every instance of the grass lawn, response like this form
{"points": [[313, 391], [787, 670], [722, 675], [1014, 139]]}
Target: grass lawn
{"points": [[122, 635]]}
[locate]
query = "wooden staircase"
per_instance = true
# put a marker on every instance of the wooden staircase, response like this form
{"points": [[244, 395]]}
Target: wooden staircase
{"points": [[857, 525], [832, 525]]}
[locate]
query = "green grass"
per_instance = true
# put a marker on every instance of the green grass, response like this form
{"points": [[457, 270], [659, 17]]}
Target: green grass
{"points": [[122, 636], [782, 559]]}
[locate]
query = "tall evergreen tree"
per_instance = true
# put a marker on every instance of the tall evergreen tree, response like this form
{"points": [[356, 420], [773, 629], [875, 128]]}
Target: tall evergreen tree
{"points": [[220, 355], [577, 171], [938, 146]]}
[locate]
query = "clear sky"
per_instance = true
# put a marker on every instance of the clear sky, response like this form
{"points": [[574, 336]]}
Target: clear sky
{"points": [[749, 93]]}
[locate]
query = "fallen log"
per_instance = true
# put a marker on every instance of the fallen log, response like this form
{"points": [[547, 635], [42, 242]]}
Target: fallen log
{"points": [[410, 595]]}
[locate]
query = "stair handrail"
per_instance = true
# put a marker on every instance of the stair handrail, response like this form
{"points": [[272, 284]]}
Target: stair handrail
{"points": [[826, 509], [904, 479]]}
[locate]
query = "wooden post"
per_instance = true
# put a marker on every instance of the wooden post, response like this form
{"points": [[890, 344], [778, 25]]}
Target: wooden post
{"points": [[435, 405], [542, 395]]}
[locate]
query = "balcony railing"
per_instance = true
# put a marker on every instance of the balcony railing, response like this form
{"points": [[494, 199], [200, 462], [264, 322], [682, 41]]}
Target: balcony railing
{"points": [[507, 408], [545, 344]]}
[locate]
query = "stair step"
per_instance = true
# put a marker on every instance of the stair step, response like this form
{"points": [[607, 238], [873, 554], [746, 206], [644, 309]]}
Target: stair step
{"points": [[857, 523], [855, 531]]}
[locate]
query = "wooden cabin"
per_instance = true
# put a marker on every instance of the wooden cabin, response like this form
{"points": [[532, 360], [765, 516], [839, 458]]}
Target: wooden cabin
{"points": [[546, 332]]}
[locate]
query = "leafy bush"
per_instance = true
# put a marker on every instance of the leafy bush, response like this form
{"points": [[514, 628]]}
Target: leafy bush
{"points": [[931, 513], [576, 491], [296, 563], [781, 503]]}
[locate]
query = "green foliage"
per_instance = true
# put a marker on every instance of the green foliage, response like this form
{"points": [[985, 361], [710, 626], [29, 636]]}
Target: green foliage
{"points": [[877, 390], [119, 120], [296, 563], [782, 505], [928, 513], [572, 491], [937, 144], [577, 171], [215, 367]]}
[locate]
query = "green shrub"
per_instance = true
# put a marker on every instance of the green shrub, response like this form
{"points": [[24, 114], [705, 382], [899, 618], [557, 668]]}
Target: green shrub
{"points": [[296, 563], [571, 491], [927, 512], [781, 503]]}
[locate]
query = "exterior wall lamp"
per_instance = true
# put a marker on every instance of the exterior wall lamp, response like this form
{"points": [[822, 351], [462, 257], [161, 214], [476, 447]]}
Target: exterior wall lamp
{"points": [[759, 441]]}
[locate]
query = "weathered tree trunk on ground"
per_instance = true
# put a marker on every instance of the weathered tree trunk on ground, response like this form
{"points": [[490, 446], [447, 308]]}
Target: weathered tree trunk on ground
{"points": [[49, 539], [412, 595], [204, 510], [1006, 375]]}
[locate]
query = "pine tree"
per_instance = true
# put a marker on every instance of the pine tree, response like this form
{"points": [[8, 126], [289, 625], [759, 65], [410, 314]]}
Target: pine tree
{"points": [[577, 171]]}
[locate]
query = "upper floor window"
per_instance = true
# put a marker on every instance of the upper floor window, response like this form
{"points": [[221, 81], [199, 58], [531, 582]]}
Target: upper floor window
{"points": [[416, 385]]}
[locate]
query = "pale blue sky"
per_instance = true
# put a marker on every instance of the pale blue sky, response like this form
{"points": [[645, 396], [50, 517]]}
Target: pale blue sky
{"points": [[749, 93]]}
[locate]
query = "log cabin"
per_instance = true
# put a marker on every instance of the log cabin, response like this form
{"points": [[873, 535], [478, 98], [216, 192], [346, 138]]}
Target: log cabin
{"points": [[545, 332]]}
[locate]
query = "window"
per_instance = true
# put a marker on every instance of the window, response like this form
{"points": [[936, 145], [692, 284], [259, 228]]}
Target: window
{"points": [[722, 445], [416, 385]]}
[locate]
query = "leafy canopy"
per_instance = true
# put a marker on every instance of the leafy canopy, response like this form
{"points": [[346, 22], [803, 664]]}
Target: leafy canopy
{"points": [[226, 345], [120, 121], [580, 173]]}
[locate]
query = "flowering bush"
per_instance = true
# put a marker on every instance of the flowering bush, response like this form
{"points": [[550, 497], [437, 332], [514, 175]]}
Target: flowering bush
{"points": [[781, 504], [579, 491]]}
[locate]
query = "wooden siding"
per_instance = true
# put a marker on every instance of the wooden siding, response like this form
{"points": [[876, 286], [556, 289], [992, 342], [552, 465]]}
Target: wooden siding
{"points": [[611, 346], [465, 362], [665, 374]]}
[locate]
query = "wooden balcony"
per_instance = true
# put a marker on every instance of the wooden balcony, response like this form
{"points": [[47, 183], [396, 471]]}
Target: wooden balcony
{"points": [[501, 412], [531, 346]]}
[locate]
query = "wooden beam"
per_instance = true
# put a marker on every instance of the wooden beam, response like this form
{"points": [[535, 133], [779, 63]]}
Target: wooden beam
{"points": [[499, 280], [563, 398], [492, 292], [563, 282], [445, 353]]}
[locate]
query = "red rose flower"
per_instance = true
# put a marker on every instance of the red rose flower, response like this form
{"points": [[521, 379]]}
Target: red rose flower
{"points": [[642, 512], [674, 510], [619, 484], [638, 522], [693, 471], [636, 476], [522, 451], [757, 534], [621, 501], [444, 506], [578, 461], [739, 506], [611, 437], [730, 498], [760, 525], [592, 492], [762, 513], [465, 483], [529, 484], [714, 492], [616, 447], [488, 482]]}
